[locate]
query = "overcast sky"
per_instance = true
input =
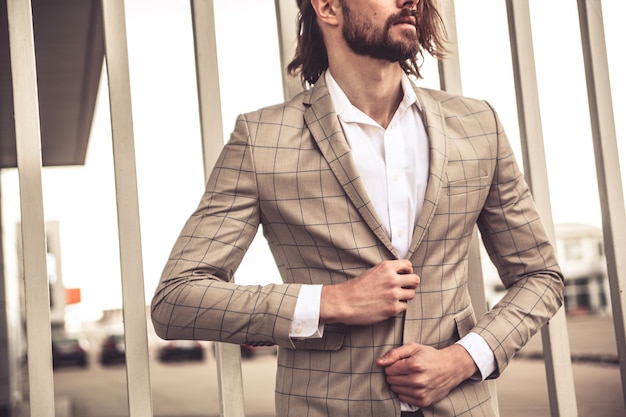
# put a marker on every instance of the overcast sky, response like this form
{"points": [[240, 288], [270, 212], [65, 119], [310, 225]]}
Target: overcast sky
{"points": [[167, 133]]}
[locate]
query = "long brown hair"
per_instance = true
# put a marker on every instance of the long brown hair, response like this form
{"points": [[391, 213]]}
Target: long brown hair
{"points": [[311, 57]]}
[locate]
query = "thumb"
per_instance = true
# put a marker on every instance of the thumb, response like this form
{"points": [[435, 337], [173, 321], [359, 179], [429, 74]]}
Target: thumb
{"points": [[396, 354]]}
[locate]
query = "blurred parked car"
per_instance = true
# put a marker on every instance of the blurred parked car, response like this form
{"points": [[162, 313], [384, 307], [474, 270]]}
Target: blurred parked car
{"points": [[249, 351], [181, 350], [69, 350], [113, 349]]}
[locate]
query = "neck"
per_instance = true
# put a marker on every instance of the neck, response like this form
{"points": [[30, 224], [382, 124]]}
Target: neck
{"points": [[372, 86]]}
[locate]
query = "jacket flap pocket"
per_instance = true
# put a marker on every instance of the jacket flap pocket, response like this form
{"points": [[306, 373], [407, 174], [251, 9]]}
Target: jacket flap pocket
{"points": [[332, 339], [465, 320]]}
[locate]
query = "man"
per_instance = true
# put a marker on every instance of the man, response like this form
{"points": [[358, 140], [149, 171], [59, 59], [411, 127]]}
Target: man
{"points": [[368, 190]]}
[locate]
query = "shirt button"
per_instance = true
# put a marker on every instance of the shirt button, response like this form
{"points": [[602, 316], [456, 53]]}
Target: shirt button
{"points": [[396, 178], [400, 233], [298, 329]]}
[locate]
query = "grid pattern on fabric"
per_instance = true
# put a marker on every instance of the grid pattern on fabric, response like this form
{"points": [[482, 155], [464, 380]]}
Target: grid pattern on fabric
{"points": [[288, 167]]}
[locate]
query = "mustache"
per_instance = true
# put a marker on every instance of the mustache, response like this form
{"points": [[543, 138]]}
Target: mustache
{"points": [[404, 13]]}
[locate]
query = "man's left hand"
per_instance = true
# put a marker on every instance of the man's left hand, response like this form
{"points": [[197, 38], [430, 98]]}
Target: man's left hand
{"points": [[422, 375]]}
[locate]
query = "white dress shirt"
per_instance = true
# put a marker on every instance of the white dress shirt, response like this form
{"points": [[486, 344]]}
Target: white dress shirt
{"points": [[401, 152]]}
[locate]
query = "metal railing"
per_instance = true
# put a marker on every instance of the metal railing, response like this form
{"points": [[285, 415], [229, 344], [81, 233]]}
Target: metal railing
{"points": [[556, 348]]}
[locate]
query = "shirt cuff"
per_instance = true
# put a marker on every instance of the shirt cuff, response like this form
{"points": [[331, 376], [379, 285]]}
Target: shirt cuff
{"points": [[306, 316], [481, 353]]}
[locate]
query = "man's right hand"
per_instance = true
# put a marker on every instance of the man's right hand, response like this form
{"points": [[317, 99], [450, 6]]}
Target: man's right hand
{"points": [[379, 293]]}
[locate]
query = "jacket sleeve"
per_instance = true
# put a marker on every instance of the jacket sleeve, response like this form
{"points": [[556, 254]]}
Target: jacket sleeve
{"points": [[196, 297], [519, 247]]}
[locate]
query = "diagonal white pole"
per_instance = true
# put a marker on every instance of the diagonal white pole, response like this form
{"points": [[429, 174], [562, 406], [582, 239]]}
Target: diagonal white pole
{"points": [[607, 165], [28, 146], [450, 80], [554, 337], [133, 294], [228, 356]]}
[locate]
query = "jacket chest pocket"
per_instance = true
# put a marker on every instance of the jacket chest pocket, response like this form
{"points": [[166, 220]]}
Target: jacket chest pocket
{"points": [[459, 206], [468, 185], [466, 189]]}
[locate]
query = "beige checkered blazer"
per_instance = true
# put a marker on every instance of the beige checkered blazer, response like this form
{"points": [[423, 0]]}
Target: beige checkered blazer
{"points": [[289, 169]]}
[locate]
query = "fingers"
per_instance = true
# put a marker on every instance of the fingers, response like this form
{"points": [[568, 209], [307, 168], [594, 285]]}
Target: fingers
{"points": [[408, 383], [388, 358], [406, 294], [402, 266], [410, 281], [381, 292], [403, 279], [397, 282], [395, 355], [404, 270], [407, 284]]}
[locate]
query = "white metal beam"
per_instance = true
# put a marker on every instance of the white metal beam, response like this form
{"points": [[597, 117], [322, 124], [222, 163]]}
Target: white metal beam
{"points": [[607, 165], [450, 67], [133, 293], [554, 337], [28, 145], [450, 80], [228, 356], [286, 18], [208, 80]]}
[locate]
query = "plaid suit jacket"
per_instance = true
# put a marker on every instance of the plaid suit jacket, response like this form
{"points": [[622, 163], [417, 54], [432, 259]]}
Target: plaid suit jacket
{"points": [[289, 169]]}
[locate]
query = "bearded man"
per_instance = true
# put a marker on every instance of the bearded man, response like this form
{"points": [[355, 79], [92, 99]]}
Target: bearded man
{"points": [[368, 190]]}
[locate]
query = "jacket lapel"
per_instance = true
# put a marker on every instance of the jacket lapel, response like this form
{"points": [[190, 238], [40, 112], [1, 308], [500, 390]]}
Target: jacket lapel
{"points": [[435, 129], [321, 119]]}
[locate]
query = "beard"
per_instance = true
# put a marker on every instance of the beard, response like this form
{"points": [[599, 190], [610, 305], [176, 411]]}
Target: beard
{"points": [[365, 39]]}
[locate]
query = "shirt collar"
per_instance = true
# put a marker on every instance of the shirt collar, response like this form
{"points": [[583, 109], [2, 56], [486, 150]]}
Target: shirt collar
{"points": [[350, 114]]}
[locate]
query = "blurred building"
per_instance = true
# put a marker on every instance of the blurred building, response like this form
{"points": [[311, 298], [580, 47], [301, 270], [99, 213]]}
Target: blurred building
{"points": [[580, 249], [581, 254]]}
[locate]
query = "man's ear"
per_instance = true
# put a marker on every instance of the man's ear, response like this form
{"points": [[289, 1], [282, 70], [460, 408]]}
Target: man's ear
{"points": [[327, 11]]}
